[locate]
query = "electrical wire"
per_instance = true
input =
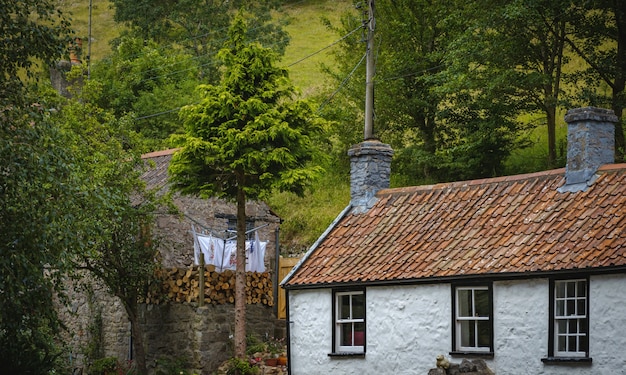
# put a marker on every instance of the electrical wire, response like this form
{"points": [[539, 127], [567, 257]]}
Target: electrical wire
{"points": [[343, 83], [299, 61]]}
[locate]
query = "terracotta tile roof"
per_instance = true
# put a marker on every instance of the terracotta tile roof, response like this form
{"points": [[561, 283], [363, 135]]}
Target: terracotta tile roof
{"points": [[503, 226]]}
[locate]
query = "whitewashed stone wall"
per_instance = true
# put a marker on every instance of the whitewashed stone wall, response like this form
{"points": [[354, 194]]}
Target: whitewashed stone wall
{"points": [[408, 326]]}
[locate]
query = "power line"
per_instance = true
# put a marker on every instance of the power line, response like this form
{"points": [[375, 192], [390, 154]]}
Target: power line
{"points": [[309, 56], [325, 48], [343, 83]]}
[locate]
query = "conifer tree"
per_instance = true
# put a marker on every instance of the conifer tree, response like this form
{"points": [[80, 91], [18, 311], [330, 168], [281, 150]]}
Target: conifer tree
{"points": [[246, 138]]}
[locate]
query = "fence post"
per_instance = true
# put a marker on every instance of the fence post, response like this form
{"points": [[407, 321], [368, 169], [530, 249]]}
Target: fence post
{"points": [[201, 276]]}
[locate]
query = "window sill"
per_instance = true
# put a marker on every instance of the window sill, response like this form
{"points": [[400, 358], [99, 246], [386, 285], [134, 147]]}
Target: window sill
{"points": [[566, 360], [473, 354], [346, 355]]}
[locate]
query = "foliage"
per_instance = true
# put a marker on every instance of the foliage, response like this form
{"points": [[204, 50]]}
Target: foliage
{"points": [[117, 214], [32, 31], [246, 130], [107, 365], [112, 366], [171, 366], [143, 79], [245, 139], [199, 31], [38, 218], [240, 366]]}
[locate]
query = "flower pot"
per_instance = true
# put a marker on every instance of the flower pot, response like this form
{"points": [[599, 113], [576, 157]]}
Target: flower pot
{"points": [[282, 361], [271, 362]]}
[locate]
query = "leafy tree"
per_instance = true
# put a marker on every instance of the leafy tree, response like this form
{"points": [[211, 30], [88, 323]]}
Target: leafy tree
{"points": [[119, 249], [32, 30], [38, 186], [428, 106], [599, 38], [199, 26], [148, 81], [523, 42], [39, 225], [244, 139]]}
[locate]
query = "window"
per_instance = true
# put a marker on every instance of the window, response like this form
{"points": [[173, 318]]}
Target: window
{"points": [[570, 323], [473, 324], [349, 320]]}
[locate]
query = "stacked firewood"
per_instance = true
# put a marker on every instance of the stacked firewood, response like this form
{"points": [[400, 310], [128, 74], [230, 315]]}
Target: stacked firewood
{"points": [[180, 285]]}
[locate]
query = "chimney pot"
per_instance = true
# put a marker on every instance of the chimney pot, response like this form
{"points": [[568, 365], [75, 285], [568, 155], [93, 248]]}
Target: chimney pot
{"points": [[370, 170], [590, 144]]}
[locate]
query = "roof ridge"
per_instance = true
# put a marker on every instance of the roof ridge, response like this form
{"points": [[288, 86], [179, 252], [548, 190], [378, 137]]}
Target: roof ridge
{"points": [[159, 153], [483, 181]]}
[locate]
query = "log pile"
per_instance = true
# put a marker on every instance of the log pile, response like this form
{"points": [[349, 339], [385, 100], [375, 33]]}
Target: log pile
{"points": [[180, 285]]}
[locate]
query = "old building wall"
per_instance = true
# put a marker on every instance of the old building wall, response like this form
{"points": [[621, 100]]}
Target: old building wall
{"points": [[407, 327]]}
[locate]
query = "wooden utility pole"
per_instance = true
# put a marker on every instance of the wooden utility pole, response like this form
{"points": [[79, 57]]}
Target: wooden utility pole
{"points": [[369, 74]]}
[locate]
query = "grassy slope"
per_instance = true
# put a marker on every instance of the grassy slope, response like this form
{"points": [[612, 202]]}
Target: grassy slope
{"points": [[304, 218], [103, 28]]}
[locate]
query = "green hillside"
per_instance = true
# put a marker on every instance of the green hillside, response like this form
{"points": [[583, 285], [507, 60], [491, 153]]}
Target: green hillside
{"points": [[304, 218], [305, 27]]}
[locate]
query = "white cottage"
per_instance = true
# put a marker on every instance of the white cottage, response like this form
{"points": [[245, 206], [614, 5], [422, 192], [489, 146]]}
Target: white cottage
{"points": [[526, 272]]}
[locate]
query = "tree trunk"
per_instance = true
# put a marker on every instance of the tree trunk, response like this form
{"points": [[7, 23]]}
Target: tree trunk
{"points": [[620, 78], [137, 338], [240, 274]]}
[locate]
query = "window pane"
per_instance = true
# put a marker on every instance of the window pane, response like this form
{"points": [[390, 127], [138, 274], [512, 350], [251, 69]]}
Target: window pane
{"points": [[481, 300], [571, 289], [359, 334], [572, 326], [571, 344], [465, 303], [570, 308], [560, 308], [345, 307], [582, 288], [346, 334], [561, 343], [583, 343], [358, 306], [483, 333], [560, 289], [468, 334], [582, 327], [561, 326], [581, 307]]}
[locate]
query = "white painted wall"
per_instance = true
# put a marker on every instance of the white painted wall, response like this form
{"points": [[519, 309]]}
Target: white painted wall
{"points": [[407, 326]]}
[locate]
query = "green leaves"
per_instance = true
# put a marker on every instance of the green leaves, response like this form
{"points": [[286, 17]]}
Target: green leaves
{"points": [[247, 126]]}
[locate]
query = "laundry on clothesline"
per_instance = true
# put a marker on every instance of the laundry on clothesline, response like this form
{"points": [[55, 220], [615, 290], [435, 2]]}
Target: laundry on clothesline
{"points": [[223, 253]]}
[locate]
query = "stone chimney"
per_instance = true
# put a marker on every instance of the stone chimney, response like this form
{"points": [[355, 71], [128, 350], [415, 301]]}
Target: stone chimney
{"points": [[590, 144], [370, 168]]}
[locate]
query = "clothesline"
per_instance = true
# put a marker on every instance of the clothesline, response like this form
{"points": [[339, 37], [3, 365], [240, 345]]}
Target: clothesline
{"points": [[222, 252]]}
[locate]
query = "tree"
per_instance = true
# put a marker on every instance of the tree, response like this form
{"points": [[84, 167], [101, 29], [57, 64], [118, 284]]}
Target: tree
{"points": [[148, 81], [119, 247], [38, 186], [199, 26], [427, 104], [32, 31], [525, 40], [244, 139], [599, 38], [38, 238]]}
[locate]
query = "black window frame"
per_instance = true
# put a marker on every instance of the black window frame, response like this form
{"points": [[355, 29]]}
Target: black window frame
{"points": [[553, 356], [336, 352], [456, 350]]}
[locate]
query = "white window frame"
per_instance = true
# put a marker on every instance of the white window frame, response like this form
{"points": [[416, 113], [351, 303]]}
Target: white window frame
{"points": [[579, 315], [459, 320], [339, 322]]}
